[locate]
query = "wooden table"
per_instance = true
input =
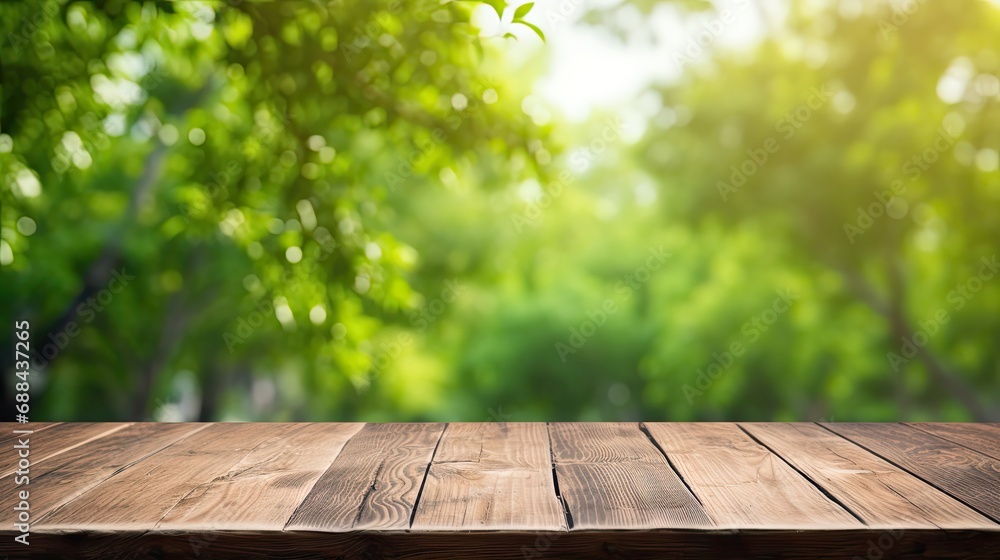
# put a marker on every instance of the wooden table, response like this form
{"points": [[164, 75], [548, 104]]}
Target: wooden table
{"points": [[506, 490]]}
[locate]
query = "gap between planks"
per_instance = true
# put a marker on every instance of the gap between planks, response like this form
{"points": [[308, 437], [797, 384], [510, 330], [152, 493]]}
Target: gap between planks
{"points": [[645, 430], [423, 481], [901, 464], [568, 514], [555, 479], [816, 484]]}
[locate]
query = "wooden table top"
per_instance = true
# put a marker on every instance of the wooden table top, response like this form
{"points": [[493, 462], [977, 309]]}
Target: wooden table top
{"points": [[504, 490]]}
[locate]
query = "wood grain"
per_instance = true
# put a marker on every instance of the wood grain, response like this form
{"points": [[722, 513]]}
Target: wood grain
{"points": [[970, 477], [508, 545], [984, 438], [60, 439], [139, 497], [68, 475], [7, 429], [261, 491], [373, 483], [491, 476], [487, 490], [611, 476], [742, 484], [881, 494]]}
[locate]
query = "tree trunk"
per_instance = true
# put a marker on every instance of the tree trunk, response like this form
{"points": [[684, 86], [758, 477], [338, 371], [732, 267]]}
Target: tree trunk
{"points": [[899, 327]]}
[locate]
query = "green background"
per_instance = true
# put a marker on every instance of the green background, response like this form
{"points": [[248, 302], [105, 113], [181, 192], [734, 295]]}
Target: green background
{"points": [[310, 211]]}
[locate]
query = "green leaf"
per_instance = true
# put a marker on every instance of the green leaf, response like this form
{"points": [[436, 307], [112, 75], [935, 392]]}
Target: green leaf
{"points": [[533, 28], [497, 5], [523, 10], [510, 36]]}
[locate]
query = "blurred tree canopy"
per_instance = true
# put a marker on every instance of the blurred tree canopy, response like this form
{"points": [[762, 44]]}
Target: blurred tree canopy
{"points": [[229, 158], [307, 210]]}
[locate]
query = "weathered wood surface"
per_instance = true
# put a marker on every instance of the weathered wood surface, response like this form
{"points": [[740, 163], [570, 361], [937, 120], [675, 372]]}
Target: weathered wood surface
{"points": [[984, 438], [491, 477], [742, 484], [612, 477], [969, 476], [505, 490], [879, 493], [373, 483]]}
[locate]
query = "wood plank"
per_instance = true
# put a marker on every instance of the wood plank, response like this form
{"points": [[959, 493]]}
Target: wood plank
{"points": [[971, 477], [373, 483], [225, 490], [7, 429], [522, 545], [492, 476], [742, 484], [881, 494], [261, 491], [984, 438], [70, 474], [62, 438], [139, 497], [612, 476]]}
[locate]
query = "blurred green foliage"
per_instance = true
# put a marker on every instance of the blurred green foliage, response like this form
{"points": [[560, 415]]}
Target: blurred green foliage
{"points": [[345, 211]]}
